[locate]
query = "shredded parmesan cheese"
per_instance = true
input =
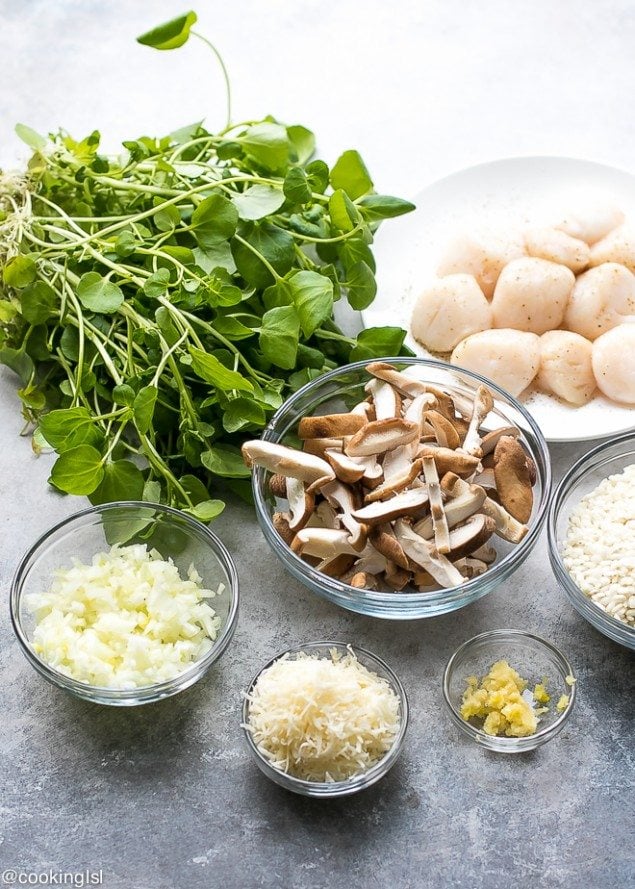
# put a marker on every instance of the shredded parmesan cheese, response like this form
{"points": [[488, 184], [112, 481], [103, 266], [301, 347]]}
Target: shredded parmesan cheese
{"points": [[126, 620], [322, 719]]}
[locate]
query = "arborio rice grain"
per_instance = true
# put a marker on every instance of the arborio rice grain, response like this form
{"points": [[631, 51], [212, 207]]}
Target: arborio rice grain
{"points": [[599, 551]]}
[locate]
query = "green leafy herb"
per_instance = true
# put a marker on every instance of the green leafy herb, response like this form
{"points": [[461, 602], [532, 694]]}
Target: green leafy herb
{"points": [[158, 307]]}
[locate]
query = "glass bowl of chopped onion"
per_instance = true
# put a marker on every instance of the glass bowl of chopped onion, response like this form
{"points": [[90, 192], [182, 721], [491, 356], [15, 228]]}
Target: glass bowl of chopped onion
{"points": [[325, 719], [591, 532], [359, 583], [509, 690], [125, 603]]}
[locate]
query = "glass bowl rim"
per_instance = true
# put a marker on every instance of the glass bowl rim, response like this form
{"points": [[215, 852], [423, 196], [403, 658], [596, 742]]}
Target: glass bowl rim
{"points": [[502, 742], [359, 782], [142, 692], [581, 602], [471, 589]]}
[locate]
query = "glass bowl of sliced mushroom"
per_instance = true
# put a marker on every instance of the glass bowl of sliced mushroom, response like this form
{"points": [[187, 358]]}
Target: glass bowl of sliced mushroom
{"points": [[401, 488]]}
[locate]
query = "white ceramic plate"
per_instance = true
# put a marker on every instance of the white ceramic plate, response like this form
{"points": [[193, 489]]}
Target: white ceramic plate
{"points": [[503, 195]]}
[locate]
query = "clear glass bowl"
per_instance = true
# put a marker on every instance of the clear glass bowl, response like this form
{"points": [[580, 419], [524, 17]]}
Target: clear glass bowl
{"points": [[331, 393], [334, 788], [534, 658], [174, 534], [585, 475]]}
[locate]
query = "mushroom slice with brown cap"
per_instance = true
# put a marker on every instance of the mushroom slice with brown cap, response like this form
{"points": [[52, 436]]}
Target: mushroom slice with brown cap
{"points": [[301, 503], [405, 503], [386, 399], [424, 554], [491, 439], [470, 567], [330, 425], [277, 484], [319, 446], [476, 531], [363, 581], [456, 511], [336, 566], [483, 404], [383, 539], [397, 578], [347, 469], [288, 462], [323, 543], [389, 374], [341, 495], [437, 513], [444, 431], [448, 460], [513, 481], [506, 525], [400, 470], [281, 524], [380, 436]]}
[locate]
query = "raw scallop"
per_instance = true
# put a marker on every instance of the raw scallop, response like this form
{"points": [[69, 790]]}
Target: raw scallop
{"points": [[449, 310], [565, 366], [617, 246], [481, 255], [531, 295], [592, 222], [508, 357], [614, 363], [601, 299], [557, 246]]}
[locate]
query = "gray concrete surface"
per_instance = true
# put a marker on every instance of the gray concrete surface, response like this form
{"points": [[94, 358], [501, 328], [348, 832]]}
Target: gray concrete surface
{"points": [[166, 797]]}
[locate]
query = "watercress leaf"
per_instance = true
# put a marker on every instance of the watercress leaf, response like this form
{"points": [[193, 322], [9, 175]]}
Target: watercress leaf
{"points": [[267, 144], [313, 299], [361, 286], [354, 250], [220, 289], [167, 218], [68, 427], [344, 214], [279, 294], [78, 470], [143, 408], [209, 368], [378, 342], [232, 328], [214, 256], [186, 133], [206, 510], [69, 343], [318, 175], [19, 362], [279, 336], [38, 302], [226, 461], [350, 174], [169, 35], [122, 480], [301, 377], [183, 254], [258, 201], [296, 186], [309, 357], [196, 490], [166, 325], [214, 221], [242, 411], [157, 283], [30, 137], [382, 206], [272, 243], [99, 294], [123, 394], [152, 491], [302, 143], [125, 244], [19, 271]]}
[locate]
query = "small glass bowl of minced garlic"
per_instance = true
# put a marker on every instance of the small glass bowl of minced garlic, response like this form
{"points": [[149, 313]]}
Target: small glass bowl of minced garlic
{"points": [[509, 691]]}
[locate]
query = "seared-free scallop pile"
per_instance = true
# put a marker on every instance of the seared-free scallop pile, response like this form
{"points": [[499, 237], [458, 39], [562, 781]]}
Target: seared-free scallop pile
{"points": [[405, 490], [555, 307]]}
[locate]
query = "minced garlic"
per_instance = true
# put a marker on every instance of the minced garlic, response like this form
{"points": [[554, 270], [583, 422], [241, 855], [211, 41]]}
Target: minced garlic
{"points": [[541, 695], [562, 703], [498, 700], [126, 620]]}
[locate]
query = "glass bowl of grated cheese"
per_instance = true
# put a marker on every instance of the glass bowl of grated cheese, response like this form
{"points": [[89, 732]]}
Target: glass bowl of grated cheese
{"points": [[125, 603], [325, 719]]}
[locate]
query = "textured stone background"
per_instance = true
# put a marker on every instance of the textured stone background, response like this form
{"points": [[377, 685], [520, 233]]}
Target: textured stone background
{"points": [[166, 796]]}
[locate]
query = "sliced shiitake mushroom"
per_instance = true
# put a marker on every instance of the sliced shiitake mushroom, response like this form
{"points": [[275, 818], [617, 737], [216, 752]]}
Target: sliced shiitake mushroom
{"points": [[513, 481]]}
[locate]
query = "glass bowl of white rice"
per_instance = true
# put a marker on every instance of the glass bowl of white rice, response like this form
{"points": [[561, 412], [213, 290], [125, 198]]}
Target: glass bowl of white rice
{"points": [[591, 530], [125, 603]]}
